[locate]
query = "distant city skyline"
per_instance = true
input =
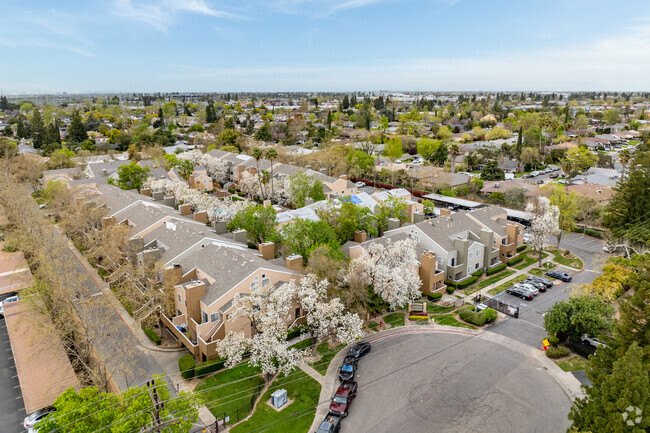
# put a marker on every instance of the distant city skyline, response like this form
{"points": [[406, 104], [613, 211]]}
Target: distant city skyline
{"points": [[327, 45]]}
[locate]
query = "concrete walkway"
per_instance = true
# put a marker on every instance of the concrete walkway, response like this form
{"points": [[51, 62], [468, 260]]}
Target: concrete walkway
{"points": [[313, 373]]}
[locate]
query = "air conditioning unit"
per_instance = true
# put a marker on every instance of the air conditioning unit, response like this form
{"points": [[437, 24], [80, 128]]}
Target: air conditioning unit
{"points": [[496, 185]]}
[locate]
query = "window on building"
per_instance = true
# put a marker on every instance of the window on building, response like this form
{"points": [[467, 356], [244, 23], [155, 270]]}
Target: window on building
{"points": [[476, 266], [452, 261], [469, 269], [470, 255], [478, 252], [297, 312], [204, 317], [265, 282], [214, 317], [178, 312], [205, 182], [179, 298], [503, 241], [254, 286], [494, 241]]}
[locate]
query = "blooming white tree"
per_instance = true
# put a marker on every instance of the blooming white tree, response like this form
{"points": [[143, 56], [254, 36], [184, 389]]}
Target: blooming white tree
{"points": [[390, 268], [216, 168], [217, 209], [544, 221], [274, 189]]}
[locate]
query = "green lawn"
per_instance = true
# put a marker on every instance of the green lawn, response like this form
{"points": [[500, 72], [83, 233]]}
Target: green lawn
{"points": [[295, 417], [493, 279], [450, 320], [529, 259], [574, 363], [394, 319], [558, 256], [304, 344], [326, 354], [539, 272], [502, 287], [241, 386], [373, 325], [437, 309]]}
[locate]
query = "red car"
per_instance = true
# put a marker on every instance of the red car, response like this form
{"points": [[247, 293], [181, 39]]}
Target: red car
{"points": [[343, 398]]}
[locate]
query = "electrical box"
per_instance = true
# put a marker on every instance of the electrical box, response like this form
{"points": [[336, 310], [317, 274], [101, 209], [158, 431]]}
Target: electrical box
{"points": [[279, 398]]}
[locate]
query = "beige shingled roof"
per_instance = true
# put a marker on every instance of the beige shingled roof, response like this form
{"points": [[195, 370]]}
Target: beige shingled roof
{"points": [[43, 368]]}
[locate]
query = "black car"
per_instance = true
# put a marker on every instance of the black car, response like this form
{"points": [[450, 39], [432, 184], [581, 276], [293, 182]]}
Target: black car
{"points": [[359, 349], [559, 275], [348, 368], [331, 424], [537, 284], [542, 280], [521, 292]]}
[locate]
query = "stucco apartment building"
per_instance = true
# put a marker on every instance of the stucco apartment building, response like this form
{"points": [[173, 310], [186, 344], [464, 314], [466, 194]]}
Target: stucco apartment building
{"points": [[465, 242]]}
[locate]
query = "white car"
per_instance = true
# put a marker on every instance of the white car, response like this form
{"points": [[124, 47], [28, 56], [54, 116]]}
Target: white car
{"points": [[534, 173], [592, 341], [360, 184], [35, 417], [9, 299], [562, 181]]}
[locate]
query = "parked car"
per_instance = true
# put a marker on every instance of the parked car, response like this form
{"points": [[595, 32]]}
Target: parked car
{"points": [[343, 398], [534, 173], [553, 175], [562, 181], [537, 284], [521, 292], [360, 184], [530, 287], [548, 283], [348, 368], [540, 181], [331, 424], [6, 301], [592, 341], [359, 349], [35, 417], [559, 276]]}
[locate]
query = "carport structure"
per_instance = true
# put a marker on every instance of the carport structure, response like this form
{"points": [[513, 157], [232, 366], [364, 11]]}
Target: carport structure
{"points": [[43, 368]]}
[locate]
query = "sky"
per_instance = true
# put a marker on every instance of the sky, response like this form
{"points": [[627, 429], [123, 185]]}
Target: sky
{"points": [[323, 45]]}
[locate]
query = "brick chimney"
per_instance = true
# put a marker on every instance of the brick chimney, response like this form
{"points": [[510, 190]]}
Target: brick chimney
{"points": [[294, 262], [267, 250], [427, 270], [444, 212], [186, 209], [108, 221], [360, 236], [146, 191], [201, 216]]}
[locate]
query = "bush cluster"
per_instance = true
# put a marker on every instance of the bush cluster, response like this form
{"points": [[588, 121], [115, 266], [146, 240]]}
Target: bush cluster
{"points": [[186, 366], [480, 318], [451, 290], [521, 248], [554, 341], [204, 368], [295, 332], [478, 273], [514, 261], [434, 296], [557, 352], [152, 335], [496, 269]]}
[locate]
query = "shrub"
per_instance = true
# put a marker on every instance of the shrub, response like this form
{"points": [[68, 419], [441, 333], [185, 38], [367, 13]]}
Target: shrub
{"points": [[295, 332], [418, 317], [521, 248], [490, 314], [514, 261], [478, 273], [205, 368], [186, 366], [152, 335], [231, 190], [450, 283], [496, 269], [451, 289], [557, 352], [434, 296], [554, 341], [479, 318], [468, 282]]}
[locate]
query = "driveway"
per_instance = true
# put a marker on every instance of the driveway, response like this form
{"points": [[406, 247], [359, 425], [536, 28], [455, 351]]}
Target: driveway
{"points": [[446, 382]]}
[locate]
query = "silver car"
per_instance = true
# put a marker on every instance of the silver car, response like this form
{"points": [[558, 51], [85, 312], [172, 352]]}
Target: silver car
{"points": [[530, 287]]}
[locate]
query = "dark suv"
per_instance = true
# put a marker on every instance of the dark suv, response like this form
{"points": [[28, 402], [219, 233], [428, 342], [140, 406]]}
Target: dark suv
{"points": [[559, 275], [521, 292], [331, 424]]}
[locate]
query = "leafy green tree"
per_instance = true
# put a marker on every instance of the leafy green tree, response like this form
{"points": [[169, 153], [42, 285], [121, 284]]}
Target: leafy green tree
{"points": [[432, 150], [577, 160], [577, 316], [52, 134], [520, 142], [92, 123], [611, 116], [303, 236], [8, 148], [160, 121], [210, 113], [514, 198], [299, 187], [348, 218], [37, 129], [567, 204], [131, 176], [345, 104], [317, 192], [132, 410], [76, 130], [185, 169], [628, 212], [21, 129], [264, 133], [272, 155], [393, 149], [428, 206], [258, 221], [392, 207], [492, 172], [61, 159], [360, 162]]}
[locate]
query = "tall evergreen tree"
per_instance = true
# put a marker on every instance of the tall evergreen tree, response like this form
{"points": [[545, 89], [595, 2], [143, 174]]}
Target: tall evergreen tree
{"points": [[52, 134], [329, 119], [76, 129], [519, 146], [210, 113], [346, 103], [37, 129], [21, 129]]}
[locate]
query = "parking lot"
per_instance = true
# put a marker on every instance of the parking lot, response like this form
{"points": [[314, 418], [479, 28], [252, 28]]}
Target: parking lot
{"points": [[12, 411], [453, 383]]}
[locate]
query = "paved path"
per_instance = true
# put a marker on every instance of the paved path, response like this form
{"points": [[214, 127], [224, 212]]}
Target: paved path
{"points": [[313, 373]]}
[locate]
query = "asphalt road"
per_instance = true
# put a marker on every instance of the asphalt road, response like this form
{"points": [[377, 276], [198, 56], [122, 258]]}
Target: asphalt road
{"points": [[529, 327], [12, 410], [453, 383]]}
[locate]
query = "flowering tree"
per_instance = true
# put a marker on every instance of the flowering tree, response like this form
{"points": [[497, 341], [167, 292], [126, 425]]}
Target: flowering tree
{"points": [[217, 209], [215, 167], [390, 269], [273, 189], [543, 217]]}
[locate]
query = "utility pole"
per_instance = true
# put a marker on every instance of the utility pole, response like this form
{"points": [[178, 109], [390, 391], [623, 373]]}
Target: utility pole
{"points": [[158, 405]]}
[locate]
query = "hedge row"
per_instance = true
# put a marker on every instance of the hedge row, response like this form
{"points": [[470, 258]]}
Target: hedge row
{"points": [[295, 332], [152, 335], [496, 269], [521, 248], [434, 296], [589, 232], [186, 366], [468, 314], [478, 273], [557, 352], [207, 367], [465, 283], [516, 260]]}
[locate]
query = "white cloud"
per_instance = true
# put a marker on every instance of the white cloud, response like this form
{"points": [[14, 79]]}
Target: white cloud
{"points": [[160, 14], [324, 8]]}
